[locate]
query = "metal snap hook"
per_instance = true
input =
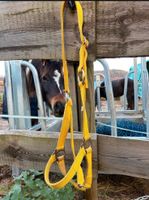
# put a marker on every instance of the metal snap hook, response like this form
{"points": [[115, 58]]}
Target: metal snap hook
{"points": [[71, 5]]}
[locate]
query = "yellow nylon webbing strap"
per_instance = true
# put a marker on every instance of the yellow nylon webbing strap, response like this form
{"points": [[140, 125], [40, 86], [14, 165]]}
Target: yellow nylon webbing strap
{"points": [[65, 68], [72, 171], [67, 124]]}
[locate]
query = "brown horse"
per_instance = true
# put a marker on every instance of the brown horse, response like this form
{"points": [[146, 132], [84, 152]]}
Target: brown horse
{"points": [[52, 85], [118, 90], [51, 82]]}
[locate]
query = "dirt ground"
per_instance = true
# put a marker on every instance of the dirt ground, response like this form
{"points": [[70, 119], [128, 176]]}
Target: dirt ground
{"points": [[110, 187], [5, 180], [116, 187]]}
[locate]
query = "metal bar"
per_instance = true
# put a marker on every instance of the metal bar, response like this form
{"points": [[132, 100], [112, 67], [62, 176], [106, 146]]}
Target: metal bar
{"points": [[52, 125], [119, 111], [125, 92], [135, 85], [147, 112], [14, 93], [26, 106], [143, 62], [9, 95], [146, 85], [110, 98], [20, 96], [30, 117], [38, 91], [98, 99]]}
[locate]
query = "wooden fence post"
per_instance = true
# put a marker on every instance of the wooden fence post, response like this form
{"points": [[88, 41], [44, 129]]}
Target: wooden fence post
{"points": [[91, 194], [73, 93]]}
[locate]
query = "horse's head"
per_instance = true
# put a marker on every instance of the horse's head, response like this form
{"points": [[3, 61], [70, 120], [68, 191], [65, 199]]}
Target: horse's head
{"points": [[52, 84]]}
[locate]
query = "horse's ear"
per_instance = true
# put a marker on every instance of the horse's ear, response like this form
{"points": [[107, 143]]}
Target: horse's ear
{"points": [[42, 68]]}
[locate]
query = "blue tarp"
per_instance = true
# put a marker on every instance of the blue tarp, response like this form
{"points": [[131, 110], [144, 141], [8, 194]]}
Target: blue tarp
{"points": [[124, 124], [139, 77]]}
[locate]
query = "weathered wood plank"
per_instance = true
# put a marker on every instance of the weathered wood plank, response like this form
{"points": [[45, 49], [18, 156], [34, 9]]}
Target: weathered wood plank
{"points": [[116, 155], [31, 150], [31, 29], [90, 107], [123, 156], [72, 86], [90, 101], [122, 28], [91, 194]]}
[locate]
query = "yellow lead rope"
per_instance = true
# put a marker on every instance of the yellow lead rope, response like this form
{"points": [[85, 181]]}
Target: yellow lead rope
{"points": [[83, 182]]}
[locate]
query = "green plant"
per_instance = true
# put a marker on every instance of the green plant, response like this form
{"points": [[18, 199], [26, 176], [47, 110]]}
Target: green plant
{"points": [[30, 186]]}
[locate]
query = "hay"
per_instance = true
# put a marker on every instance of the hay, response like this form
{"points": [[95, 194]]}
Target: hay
{"points": [[118, 187]]}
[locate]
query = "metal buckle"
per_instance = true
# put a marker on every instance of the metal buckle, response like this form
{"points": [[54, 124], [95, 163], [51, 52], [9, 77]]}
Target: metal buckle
{"points": [[81, 186], [58, 153], [86, 143]]}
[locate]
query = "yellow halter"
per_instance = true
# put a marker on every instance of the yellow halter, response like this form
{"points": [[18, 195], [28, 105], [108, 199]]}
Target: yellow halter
{"points": [[83, 182]]}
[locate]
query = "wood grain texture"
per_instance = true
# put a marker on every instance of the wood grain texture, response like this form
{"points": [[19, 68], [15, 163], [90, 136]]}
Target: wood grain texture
{"points": [[114, 29], [115, 155], [72, 86], [92, 194], [90, 101], [122, 28], [31, 29], [123, 156], [31, 150]]}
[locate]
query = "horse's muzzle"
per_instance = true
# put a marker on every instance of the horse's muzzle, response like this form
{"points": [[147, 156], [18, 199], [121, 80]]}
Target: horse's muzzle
{"points": [[58, 109], [57, 104]]}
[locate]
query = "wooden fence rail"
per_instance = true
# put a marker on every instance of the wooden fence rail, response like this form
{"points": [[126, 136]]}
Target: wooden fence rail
{"points": [[31, 150], [114, 28], [111, 155]]}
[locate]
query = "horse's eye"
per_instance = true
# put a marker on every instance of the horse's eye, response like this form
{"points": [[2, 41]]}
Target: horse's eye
{"points": [[45, 78]]}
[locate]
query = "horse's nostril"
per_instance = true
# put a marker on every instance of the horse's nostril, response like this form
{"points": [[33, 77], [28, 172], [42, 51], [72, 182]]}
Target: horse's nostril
{"points": [[59, 109]]}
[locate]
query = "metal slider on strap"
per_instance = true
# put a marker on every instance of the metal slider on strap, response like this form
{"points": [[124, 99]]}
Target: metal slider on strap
{"points": [[59, 153], [86, 144], [81, 186], [85, 42], [81, 76]]}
